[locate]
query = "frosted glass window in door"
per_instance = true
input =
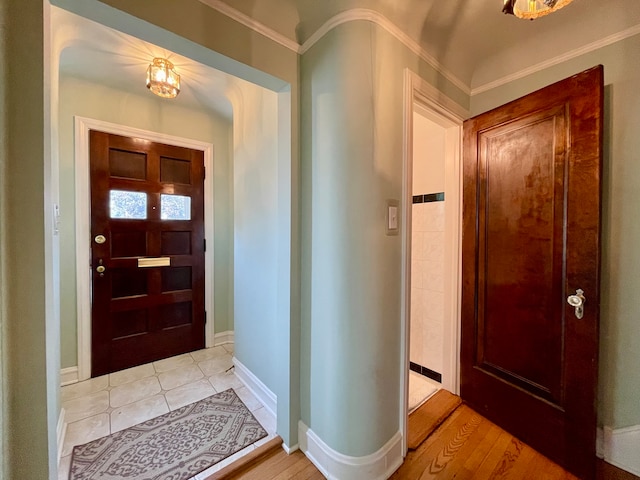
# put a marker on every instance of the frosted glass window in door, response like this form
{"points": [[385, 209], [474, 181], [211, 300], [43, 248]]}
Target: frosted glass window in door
{"points": [[175, 207], [126, 204]]}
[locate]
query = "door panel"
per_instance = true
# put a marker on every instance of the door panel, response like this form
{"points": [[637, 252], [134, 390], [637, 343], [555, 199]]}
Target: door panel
{"points": [[531, 223], [147, 200]]}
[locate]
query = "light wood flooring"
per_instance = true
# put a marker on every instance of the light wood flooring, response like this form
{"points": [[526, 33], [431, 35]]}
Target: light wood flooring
{"points": [[430, 415], [270, 462], [464, 446], [468, 446]]}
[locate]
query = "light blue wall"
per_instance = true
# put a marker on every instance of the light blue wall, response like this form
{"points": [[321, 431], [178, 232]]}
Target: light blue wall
{"points": [[619, 396], [352, 146], [255, 225], [30, 331], [87, 99], [351, 135]]}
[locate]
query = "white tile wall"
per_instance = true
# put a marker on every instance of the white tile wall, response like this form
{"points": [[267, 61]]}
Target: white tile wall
{"points": [[427, 285]]}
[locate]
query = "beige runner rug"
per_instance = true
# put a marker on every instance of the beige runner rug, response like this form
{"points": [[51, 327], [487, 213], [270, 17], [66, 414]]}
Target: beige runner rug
{"points": [[174, 446]]}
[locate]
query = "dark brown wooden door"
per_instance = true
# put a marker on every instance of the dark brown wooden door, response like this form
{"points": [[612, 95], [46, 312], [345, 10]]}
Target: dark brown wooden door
{"points": [[531, 228], [147, 251]]}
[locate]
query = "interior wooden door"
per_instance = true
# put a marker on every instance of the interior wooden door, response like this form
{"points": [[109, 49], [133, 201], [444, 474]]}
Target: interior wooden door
{"points": [[531, 238], [147, 251]]}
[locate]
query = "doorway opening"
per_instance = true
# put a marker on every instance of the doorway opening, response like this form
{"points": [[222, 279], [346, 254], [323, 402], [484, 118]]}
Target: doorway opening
{"points": [[431, 245], [250, 152], [84, 272]]}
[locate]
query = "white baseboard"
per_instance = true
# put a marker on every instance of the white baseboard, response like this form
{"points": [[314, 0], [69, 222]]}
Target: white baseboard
{"points": [[61, 431], [223, 337], [290, 450], [620, 448], [600, 443], [68, 376], [259, 389], [336, 466]]}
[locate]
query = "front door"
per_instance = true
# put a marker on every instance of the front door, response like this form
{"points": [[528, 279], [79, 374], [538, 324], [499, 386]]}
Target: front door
{"points": [[147, 251], [531, 229]]}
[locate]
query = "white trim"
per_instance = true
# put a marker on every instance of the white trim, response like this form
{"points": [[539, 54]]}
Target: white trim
{"points": [[352, 15], [407, 41], [620, 448], [68, 376], [223, 338], [383, 22], [255, 385], [336, 466], [290, 450], [418, 95], [405, 281], [600, 442], [590, 47], [83, 226], [61, 432], [434, 100], [253, 24]]}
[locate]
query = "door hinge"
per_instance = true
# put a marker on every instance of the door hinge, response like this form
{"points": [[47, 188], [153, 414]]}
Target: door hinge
{"points": [[204, 240], [204, 172], [205, 317]]}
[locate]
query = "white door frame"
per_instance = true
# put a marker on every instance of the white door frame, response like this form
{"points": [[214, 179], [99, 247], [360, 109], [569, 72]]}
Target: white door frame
{"points": [[439, 108], [83, 226]]}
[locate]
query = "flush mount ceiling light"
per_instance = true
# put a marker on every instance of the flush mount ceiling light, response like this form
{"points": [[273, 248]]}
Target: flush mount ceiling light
{"points": [[162, 79], [532, 9]]}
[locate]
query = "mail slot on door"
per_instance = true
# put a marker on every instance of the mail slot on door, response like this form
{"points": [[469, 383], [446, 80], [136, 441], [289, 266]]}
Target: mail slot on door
{"points": [[154, 262]]}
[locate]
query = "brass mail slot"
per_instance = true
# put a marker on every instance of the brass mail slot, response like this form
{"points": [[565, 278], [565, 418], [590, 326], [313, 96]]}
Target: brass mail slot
{"points": [[154, 262]]}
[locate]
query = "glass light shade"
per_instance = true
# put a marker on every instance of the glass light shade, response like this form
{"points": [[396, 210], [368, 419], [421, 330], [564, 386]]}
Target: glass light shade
{"points": [[162, 79], [532, 9]]}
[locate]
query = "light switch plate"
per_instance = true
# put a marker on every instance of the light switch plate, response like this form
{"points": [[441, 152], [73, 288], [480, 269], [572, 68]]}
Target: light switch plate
{"points": [[393, 217]]}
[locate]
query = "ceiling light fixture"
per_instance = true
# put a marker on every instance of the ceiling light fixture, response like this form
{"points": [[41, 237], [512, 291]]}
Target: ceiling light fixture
{"points": [[532, 9], [162, 79]]}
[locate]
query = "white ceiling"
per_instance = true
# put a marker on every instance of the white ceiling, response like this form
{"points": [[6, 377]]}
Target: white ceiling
{"points": [[472, 39], [106, 56]]}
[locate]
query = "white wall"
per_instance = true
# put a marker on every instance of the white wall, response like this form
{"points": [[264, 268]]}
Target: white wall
{"points": [[427, 323], [428, 155]]}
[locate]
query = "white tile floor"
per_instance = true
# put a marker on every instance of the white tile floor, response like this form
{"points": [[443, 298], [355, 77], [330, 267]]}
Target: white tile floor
{"points": [[107, 404], [420, 389]]}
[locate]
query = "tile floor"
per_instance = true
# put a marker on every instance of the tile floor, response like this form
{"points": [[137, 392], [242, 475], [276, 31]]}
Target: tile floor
{"points": [[103, 405], [420, 389]]}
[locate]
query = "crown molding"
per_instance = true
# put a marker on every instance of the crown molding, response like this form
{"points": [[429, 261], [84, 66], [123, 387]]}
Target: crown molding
{"points": [[254, 25], [343, 17], [590, 47], [383, 22]]}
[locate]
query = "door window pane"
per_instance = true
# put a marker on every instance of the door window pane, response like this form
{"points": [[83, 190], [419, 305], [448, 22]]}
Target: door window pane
{"points": [[124, 204], [175, 207]]}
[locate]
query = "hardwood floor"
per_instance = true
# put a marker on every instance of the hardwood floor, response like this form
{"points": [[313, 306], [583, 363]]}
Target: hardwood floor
{"points": [[270, 462], [430, 416], [468, 446], [465, 446]]}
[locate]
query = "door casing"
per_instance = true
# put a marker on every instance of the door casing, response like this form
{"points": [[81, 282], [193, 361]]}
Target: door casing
{"points": [[448, 114], [83, 222]]}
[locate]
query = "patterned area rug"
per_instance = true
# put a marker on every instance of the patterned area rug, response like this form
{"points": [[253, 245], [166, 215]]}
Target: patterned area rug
{"points": [[174, 446]]}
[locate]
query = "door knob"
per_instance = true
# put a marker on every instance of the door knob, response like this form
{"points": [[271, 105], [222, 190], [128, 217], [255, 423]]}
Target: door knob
{"points": [[100, 268], [577, 301]]}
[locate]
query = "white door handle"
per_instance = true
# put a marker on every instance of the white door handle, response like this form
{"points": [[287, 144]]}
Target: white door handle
{"points": [[577, 301]]}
